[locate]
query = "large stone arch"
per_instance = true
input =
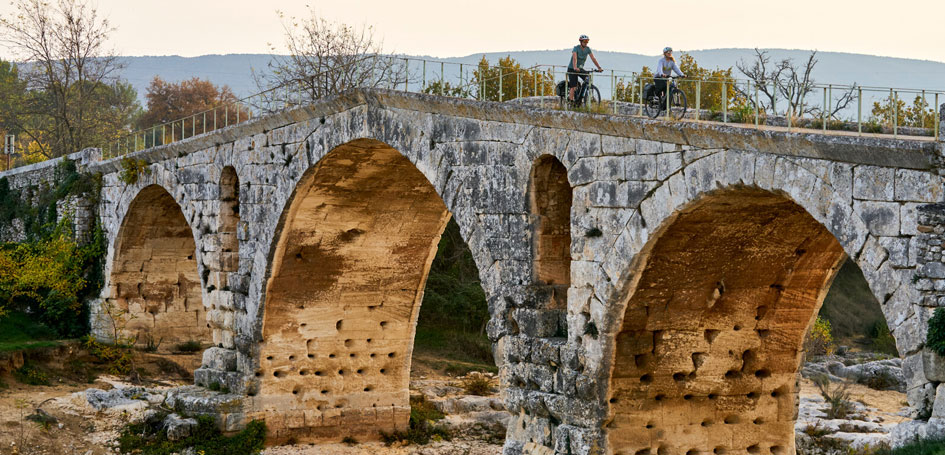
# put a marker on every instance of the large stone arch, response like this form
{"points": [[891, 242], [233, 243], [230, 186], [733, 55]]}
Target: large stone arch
{"points": [[705, 221], [348, 270], [154, 272]]}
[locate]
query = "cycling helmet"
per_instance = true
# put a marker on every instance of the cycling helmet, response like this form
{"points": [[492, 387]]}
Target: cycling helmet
{"points": [[583, 37], [667, 49]]}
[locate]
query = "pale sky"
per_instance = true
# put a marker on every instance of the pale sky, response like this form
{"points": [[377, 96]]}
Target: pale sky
{"points": [[447, 28]]}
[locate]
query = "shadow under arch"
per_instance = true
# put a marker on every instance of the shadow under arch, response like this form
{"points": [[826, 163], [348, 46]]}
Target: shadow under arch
{"points": [[707, 353], [154, 275], [349, 266]]}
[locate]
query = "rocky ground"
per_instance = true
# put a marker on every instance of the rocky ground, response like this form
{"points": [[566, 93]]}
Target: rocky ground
{"points": [[69, 418]]}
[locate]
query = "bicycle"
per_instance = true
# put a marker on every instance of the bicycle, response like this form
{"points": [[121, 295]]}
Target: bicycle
{"points": [[654, 105], [585, 95]]}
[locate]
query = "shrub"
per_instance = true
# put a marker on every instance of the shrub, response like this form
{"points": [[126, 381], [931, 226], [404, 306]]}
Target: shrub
{"points": [[935, 339], [132, 169], [882, 340], [349, 440], [838, 401], [422, 426], [880, 380], [819, 340], [150, 438], [477, 383], [189, 346], [28, 374]]}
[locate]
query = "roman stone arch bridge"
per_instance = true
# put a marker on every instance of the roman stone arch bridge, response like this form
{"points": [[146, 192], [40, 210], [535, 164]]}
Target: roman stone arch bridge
{"points": [[649, 283]]}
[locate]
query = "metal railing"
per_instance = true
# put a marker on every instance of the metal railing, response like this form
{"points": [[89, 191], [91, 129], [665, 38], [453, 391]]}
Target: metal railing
{"points": [[830, 108]]}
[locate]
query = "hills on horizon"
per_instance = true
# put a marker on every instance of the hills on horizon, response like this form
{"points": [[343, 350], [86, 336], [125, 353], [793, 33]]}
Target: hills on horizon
{"points": [[838, 68]]}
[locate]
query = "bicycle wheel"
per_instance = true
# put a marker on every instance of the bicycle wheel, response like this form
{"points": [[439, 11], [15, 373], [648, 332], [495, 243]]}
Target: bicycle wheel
{"points": [[652, 107], [678, 104], [592, 100]]}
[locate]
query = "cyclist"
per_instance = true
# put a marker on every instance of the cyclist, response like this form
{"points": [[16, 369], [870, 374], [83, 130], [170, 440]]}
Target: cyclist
{"points": [[576, 64], [664, 69]]}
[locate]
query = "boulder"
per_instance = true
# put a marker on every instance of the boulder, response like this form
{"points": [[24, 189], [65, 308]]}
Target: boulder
{"points": [[178, 427]]}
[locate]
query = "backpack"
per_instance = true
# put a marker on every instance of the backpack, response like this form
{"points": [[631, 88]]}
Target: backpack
{"points": [[648, 89], [562, 88]]}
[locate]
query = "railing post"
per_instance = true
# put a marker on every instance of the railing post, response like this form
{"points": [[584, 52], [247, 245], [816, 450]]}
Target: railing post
{"points": [[443, 77], [823, 111], [423, 83], [669, 95], [406, 74], [518, 84], [641, 95], [895, 97], [859, 111], [724, 101], [500, 83], [938, 118], [698, 98], [613, 90], [757, 101], [163, 134]]}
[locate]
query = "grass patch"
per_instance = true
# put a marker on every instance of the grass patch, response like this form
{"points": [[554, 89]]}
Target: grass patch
{"points": [[926, 447], [423, 428], [149, 438], [18, 331], [477, 384], [453, 345]]}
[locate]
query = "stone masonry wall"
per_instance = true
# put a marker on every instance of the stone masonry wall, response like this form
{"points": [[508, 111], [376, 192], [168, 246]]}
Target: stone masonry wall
{"points": [[632, 179]]}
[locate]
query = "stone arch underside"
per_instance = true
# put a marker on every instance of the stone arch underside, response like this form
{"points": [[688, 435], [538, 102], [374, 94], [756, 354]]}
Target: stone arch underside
{"points": [[154, 274], [707, 355], [343, 296]]}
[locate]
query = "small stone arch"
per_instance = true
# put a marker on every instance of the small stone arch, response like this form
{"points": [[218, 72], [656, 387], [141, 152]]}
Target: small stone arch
{"points": [[154, 274]]}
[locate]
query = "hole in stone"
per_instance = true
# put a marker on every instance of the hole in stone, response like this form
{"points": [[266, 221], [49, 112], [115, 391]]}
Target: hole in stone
{"points": [[719, 450], [338, 325], [303, 372], [643, 452], [687, 397], [613, 400], [268, 357], [319, 407], [646, 379], [338, 406], [760, 313], [706, 422], [753, 395], [303, 324], [679, 376], [258, 374], [383, 371], [692, 376], [777, 450], [692, 452], [710, 335], [800, 251], [291, 357], [360, 371], [311, 356], [369, 340], [661, 450], [324, 391], [341, 372], [737, 328], [698, 358], [754, 449], [659, 397], [348, 343], [775, 393], [276, 374], [649, 425], [712, 396], [318, 373], [383, 324], [368, 389], [763, 333], [639, 360], [758, 421], [372, 355], [295, 391], [732, 374], [331, 356], [762, 373], [731, 419], [352, 355], [391, 355]]}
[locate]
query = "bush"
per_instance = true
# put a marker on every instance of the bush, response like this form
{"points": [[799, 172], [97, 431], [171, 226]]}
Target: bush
{"points": [[422, 426], [935, 340], [838, 401], [28, 374], [477, 384], [882, 340], [150, 438], [189, 346], [819, 341]]}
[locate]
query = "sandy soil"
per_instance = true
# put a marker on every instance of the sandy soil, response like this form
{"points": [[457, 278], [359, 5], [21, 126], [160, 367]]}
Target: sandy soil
{"points": [[889, 403]]}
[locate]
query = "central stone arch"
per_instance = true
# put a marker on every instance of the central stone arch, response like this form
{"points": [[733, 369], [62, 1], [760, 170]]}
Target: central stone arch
{"points": [[706, 358], [349, 268]]}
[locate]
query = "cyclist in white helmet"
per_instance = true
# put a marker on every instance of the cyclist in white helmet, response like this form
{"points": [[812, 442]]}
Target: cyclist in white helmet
{"points": [[664, 69], [576, 64]]}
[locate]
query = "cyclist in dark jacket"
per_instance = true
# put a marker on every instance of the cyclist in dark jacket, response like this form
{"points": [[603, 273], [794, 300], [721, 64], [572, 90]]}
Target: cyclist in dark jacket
{"points": [[576, 64]]}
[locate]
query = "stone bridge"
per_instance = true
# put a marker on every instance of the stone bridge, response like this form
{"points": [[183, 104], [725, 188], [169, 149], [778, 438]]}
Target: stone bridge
{"points": [[649, 283]]}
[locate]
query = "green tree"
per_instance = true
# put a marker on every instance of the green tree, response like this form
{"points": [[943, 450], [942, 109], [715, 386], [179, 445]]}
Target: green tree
{"points": [[894, 110], [508, 79], [71, 77]]}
